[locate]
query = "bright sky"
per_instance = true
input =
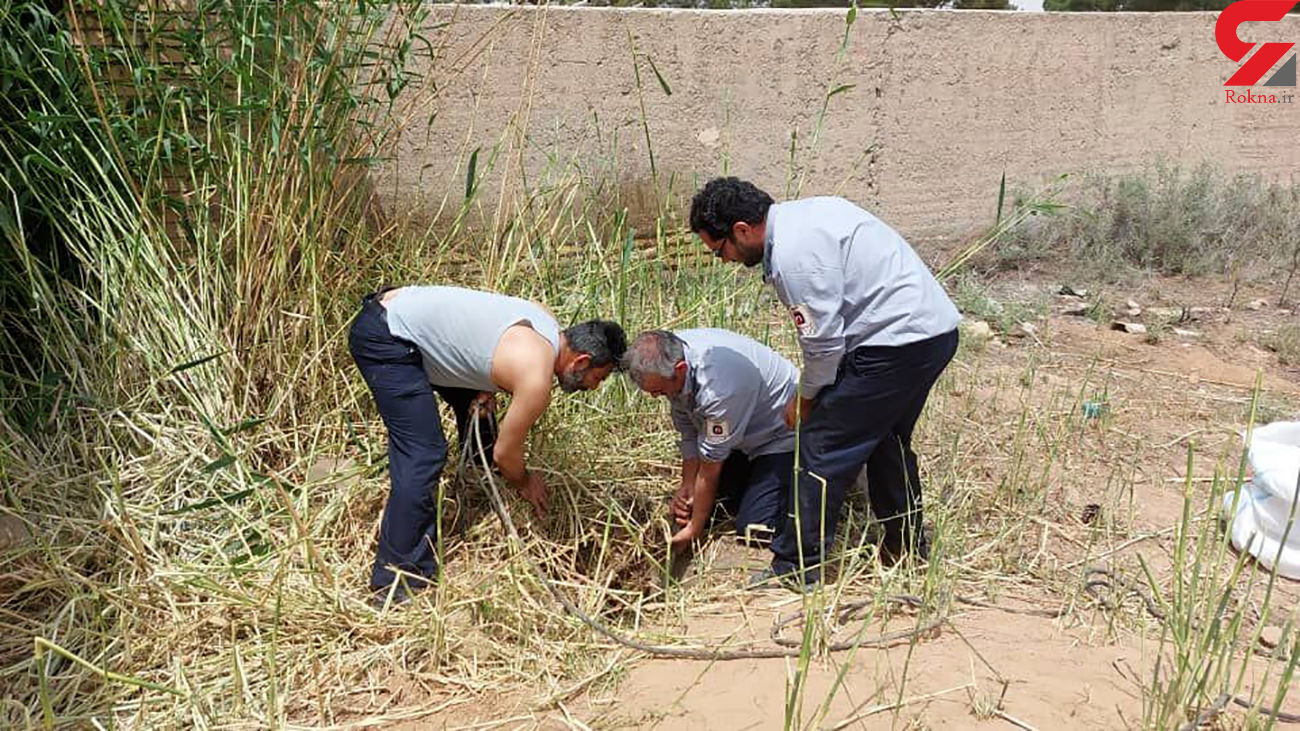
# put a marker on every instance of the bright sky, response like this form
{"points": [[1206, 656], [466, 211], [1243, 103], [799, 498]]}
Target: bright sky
{"points": [[1028, 4]]}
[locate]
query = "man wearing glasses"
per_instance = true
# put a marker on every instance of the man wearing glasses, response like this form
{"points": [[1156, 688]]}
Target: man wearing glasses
{"points": [[876, 330]]}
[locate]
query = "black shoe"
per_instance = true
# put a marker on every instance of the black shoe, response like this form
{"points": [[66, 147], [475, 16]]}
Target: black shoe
{"points": [[769, 578], [390, 596]]}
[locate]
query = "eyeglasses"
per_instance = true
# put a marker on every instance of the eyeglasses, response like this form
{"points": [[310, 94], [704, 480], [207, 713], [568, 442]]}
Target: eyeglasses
{"points": [[722, 244]]}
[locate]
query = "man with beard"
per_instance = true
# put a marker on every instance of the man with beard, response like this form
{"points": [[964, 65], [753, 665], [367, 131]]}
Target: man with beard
{"points": [[876, 330], [464, 345]]}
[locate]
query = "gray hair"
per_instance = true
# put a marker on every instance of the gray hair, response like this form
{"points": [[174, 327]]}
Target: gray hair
{"points": [[653, 352]]}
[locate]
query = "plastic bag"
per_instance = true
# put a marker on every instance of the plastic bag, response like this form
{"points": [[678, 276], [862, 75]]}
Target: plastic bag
{"points": [[1267, 505]]}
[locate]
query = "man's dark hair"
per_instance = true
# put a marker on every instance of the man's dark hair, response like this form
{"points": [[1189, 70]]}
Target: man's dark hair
{"points": [[723, 202], [603, 340]]}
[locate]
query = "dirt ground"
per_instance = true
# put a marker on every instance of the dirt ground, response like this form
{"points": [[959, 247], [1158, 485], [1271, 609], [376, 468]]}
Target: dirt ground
{"points": [[1188, 381]]}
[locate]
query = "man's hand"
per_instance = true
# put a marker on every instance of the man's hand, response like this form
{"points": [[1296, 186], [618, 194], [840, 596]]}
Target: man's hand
{"points": [[683, 538], [796, 408], [696, 499], [533, 489], [484, 403], [682, 506]]}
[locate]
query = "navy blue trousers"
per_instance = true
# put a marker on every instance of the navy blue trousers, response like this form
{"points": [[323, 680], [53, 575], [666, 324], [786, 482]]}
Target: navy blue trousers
{"points": [[417, 449], [755, 491], [865, 418]]}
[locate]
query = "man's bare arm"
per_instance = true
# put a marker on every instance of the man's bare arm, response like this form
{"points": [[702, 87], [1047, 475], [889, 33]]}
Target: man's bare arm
{"points": [[682, 499], [523, 364], [529, 399], [706, 490]]}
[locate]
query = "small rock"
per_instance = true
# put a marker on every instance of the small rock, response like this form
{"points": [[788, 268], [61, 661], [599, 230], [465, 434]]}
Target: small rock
{"points": [[1133, 305], [1270, 636], [1091, 512], [1257, 304], [1186, 333], [325, 468], [1069, 291], [1135, 328], [13, 532], [1022, 330], [978, 330], [1077, 310]]}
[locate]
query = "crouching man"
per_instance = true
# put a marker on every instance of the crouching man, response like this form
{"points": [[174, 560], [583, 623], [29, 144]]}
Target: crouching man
{"points": [[727, 396], [464, 345]]}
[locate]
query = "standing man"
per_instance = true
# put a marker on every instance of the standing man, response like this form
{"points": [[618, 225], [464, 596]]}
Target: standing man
{"points": [[464, 345], [876, 330], [727, 396]]}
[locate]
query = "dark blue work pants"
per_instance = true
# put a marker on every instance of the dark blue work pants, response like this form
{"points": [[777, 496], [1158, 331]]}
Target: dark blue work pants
{"points": [[865, 418], [417, 449], [755, 491]]}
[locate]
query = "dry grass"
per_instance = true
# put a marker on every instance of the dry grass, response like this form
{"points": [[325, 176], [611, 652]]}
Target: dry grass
{"points": [[252, 610]]}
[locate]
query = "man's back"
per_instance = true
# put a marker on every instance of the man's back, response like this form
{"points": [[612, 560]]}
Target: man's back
{"points": [[888, 296], [457, 330], [735, 394]]}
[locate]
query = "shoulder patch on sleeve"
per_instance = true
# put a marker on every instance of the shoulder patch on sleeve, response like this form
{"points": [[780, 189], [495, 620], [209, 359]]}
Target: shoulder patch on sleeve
{"points": [[803, 320], [716, 431]]}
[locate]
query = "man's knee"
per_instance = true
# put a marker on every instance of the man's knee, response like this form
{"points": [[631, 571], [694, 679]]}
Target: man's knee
{"points": [[424, 458], [414, 499], [415, 477], [759, 517], [835, 469]]}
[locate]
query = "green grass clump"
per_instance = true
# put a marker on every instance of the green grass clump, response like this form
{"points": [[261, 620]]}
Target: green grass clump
{"points": [[1166, 220]]}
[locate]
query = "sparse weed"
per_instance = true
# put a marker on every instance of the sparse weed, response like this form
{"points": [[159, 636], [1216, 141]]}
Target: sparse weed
{"points": [[1285, 341], [1169, 221]]}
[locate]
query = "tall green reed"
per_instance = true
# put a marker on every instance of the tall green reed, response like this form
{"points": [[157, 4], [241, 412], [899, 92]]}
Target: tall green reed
{"points": [[183, 190]]}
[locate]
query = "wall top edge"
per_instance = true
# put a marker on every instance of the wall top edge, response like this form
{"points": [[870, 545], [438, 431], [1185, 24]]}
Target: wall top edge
{"points": [[837, 12]]}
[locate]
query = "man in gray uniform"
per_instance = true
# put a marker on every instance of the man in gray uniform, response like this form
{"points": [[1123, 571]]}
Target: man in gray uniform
{"points": [[876, 330], [464, 345], [727, 394]]}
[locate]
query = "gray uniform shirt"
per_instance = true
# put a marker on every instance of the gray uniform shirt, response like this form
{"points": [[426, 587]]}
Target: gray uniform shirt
{"points": [[848, 280], [457, 330], [734, 397]]}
